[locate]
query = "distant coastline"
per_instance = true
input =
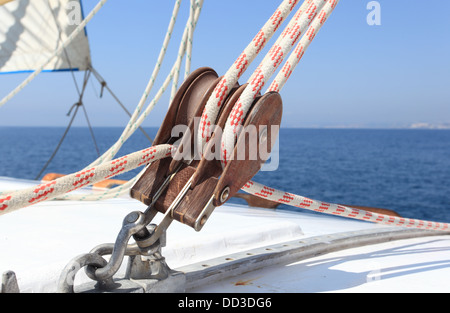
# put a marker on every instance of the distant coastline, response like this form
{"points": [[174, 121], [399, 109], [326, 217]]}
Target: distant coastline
{"points": [[430, 126], [419, 125]]}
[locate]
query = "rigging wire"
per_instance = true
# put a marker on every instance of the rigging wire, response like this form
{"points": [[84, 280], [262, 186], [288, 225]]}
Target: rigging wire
{"points": [[76, 106], [90, 129], [104, 85], [80, 103], [87, 74]]}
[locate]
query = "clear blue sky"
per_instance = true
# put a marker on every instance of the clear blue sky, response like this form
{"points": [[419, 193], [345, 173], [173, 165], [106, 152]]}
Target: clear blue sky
{"points": [[394, 74]]}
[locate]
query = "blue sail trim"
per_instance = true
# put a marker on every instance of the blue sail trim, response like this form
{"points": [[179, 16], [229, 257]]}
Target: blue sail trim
{"points": [[82, 17], [44, 71]]}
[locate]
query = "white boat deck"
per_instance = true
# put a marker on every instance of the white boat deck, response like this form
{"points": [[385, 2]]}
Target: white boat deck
{"points": [[37, 242]]}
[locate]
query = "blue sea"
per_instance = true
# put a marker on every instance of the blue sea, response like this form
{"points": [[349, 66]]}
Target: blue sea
{"points": [[403, 170]]}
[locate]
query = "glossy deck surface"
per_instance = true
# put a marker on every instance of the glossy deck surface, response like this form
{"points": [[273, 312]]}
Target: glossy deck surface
{"points": [[37, 242]]}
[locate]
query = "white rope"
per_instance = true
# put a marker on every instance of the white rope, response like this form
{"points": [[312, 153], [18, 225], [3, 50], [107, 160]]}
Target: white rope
{"points": [[58, 51], [128, 131], [136, 120], [190, 41], [186, 47]]}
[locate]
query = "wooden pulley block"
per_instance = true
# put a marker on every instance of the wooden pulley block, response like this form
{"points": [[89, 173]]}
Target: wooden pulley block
{"points": [[192, 187], [211, 185], [186, 104]]}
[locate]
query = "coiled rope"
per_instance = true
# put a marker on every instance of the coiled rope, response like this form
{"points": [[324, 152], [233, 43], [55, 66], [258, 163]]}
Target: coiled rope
{"points": [[312, 14]]}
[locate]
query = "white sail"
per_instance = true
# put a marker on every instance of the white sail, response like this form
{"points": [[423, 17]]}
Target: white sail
{"points": [[31, 31]]}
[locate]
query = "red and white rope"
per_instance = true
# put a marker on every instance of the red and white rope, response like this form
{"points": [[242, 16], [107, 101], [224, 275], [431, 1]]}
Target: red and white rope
{"points": [[336, 209], [241, 64], [301, 47], [288, 28], [50, 190], [300, 22], [195, 9]]}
